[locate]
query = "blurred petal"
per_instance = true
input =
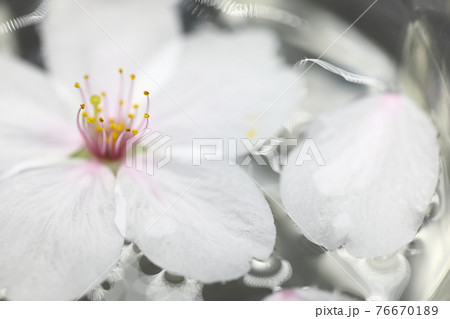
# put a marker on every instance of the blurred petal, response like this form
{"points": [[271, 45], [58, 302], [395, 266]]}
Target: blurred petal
{"points": [[233, 84], [99, 36], [214, 219], [57, 232], [382, 165], [35, 123], [306, 294]]}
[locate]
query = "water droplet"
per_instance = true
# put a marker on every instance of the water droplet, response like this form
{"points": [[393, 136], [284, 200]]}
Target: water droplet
{"points": [[265, 268], [271, 273], [173, 279], [147, 267]]}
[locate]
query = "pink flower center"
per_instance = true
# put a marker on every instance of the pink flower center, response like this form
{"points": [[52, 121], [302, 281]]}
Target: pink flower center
{"points": [[107, 125]]}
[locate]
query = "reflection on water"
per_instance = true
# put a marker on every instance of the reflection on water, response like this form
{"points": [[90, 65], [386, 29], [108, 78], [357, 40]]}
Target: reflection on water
{"points": [[425, 77]]}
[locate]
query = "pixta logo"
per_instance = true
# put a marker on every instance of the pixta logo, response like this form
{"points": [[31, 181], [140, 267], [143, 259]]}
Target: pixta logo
{"points": [[148, 151]]}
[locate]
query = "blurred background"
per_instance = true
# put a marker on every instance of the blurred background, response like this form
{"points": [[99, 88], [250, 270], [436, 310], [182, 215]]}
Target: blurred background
{"points": [[405, 43]]}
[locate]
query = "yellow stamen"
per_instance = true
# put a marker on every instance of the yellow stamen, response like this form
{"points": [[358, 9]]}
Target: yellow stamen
{"points": [[77, 85], [90, 120], [128, 130], [101, 119], [132, 76], [121, 102], [86, 76], [136, 106], [134, 132], [103, 93], [120, 70], [84, 114], [146, 115], [131, 116], [82, 106], [99, 129], [113, 126], [146, 93]]}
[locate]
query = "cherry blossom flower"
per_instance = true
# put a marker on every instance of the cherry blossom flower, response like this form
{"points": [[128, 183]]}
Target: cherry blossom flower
{"points": [[64, 188]]}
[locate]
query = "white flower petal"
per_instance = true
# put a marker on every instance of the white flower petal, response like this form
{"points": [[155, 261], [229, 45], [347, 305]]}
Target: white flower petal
{"points": [[382, 164], [214, 219], [233, 84], [34, 123], [99, 36], [57, 232]]}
